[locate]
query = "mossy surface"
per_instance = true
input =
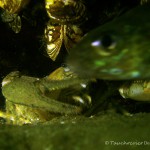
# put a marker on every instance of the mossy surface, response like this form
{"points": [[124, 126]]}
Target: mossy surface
{"points": [[80, 133]]}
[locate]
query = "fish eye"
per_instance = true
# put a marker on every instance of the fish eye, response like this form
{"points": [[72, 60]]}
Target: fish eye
{"points": [[105, 45], [108, 42]]}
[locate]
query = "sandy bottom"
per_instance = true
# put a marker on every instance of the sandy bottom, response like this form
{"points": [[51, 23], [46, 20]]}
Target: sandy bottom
{"points": [[106, 131]]}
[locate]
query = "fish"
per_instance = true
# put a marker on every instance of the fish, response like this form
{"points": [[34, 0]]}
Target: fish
{"points": [[138, 90], [117, 50], [44, 93], [30, 100]]}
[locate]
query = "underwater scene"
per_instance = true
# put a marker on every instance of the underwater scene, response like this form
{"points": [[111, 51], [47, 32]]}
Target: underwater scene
{"points": [[74, 74]]}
